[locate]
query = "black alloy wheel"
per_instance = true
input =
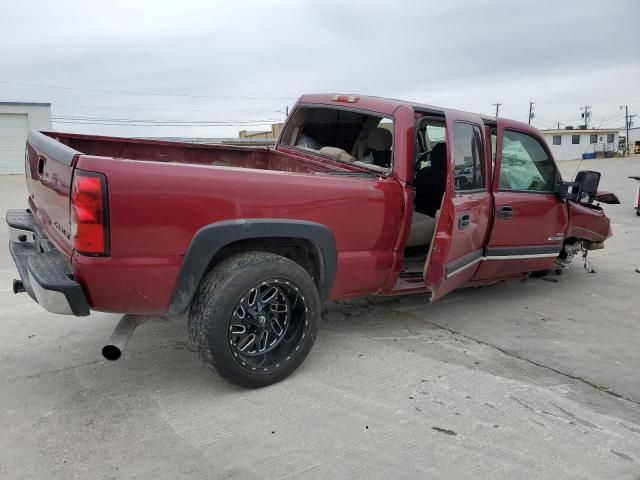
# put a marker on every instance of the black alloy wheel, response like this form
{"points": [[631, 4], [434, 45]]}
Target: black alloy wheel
{"points": [[254, 318], [267, 325]]}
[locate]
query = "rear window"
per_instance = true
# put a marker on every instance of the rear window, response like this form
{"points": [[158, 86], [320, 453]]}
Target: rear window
{"points": [[362, 139]]}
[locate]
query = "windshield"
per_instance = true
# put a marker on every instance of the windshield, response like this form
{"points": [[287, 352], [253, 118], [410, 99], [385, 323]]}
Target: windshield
{"points": [[346, 136]]}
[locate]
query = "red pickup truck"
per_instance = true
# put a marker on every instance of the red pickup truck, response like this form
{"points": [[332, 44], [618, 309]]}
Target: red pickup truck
{"points": [[360, 196]]}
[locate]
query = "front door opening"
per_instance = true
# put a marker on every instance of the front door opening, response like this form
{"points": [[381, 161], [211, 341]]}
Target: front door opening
{"points": [[429, 181]]}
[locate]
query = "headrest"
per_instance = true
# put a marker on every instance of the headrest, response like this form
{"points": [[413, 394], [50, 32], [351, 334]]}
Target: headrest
{"points": [[380, 139], [438, 156]]}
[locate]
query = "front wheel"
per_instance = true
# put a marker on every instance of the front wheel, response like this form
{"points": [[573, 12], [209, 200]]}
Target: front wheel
{"points": [[254, 318]]}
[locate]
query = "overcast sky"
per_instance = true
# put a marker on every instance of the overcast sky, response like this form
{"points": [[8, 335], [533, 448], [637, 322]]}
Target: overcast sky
{"points": [[245, 62]]}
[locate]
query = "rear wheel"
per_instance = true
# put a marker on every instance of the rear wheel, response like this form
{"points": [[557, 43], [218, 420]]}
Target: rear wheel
{"points": [[254, 318]]}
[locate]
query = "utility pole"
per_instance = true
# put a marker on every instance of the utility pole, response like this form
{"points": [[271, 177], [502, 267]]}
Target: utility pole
{"points": [[286, 110], [530, 111], [626, 126], [586, 115], [497, 108], [629, 124], [558, 125]]}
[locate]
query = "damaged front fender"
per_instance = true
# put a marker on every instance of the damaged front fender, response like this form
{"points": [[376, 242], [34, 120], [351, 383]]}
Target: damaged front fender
{"points": [[587, 222], [607, 197]]}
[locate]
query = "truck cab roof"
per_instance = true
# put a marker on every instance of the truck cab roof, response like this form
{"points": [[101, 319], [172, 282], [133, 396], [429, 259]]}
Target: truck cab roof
{"points": [[387, 106]]}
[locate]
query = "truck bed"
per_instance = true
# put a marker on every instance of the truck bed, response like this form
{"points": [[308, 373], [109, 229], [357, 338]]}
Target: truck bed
{"points": [[261, 158], [159, 194], [52, 157]]}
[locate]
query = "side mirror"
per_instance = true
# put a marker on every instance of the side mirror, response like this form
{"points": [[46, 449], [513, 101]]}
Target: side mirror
{"points": [[586, 186], [584, 189], [562, 190]]}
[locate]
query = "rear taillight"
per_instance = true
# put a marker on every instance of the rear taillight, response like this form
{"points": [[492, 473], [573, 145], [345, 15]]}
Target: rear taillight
{"points": [[89, 219]]}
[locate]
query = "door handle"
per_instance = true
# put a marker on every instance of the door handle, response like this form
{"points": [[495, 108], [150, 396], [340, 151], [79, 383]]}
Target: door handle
{"points": [[464, 220], [505, 212]]}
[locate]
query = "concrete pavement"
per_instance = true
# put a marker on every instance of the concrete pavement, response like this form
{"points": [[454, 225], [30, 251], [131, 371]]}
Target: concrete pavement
{"points": [[518, 380]]}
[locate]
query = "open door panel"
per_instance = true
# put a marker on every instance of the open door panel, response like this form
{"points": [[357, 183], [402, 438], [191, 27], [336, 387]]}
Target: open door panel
{"points": [[463, 223]]}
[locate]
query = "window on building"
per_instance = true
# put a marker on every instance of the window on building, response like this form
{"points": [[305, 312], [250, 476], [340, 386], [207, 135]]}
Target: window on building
{"points": [[610, 137], [593, 139], [557, 139], [575, 139], [469, 156], [525, 165]]}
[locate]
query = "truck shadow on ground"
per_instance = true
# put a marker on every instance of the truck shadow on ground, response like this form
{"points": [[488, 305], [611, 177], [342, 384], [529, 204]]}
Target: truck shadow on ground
{"points": [[408, 321], [161, 350]]}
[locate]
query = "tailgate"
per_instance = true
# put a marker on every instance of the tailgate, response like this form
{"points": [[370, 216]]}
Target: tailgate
{"points": [[49, 168]]}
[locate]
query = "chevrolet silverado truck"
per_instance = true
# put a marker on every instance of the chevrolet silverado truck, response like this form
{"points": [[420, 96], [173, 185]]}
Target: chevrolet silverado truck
{"points": [[359, 196]]}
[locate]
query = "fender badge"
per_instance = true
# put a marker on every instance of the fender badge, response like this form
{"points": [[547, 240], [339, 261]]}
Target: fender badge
{"points": [[558, 237], [62, 230]]}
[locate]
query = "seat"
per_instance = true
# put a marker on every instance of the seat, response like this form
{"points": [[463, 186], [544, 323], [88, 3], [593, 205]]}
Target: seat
{"points": [[422, 228], [430, 182], [379, 147]]}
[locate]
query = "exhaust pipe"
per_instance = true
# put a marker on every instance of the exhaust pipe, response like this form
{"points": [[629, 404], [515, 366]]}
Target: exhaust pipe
{"points": [[121, 335]]}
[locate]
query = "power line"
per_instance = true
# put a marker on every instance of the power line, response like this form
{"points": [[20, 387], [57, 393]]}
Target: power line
{"points": [[155, 94], [155, 121], [138, 122], [608, 119], [582, 159], [131, 124], [605, 119], [598, 102], [164, 124], [162, 109], [614, 116], [224, 97]]}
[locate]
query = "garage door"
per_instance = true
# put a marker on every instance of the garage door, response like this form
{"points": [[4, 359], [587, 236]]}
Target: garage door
{"points": [[13, 137]]}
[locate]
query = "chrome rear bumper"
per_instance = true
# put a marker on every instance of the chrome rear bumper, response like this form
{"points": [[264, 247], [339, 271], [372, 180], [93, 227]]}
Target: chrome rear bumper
{"points": [[45, 274]]}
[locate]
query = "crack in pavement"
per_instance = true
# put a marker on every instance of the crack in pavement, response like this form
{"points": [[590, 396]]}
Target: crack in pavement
{"points": [[532, 362], [82, 365], [390, 307]]}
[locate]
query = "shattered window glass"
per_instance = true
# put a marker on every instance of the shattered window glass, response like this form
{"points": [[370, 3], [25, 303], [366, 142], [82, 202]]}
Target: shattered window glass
{"points": [[525, 164]]}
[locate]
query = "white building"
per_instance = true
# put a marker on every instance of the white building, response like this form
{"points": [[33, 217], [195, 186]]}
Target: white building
{"points": [[634, 140], [570, 144], [16, 119]]}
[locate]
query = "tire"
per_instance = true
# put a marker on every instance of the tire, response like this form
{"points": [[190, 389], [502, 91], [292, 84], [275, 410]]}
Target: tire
{"points": [[283, 324]]}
